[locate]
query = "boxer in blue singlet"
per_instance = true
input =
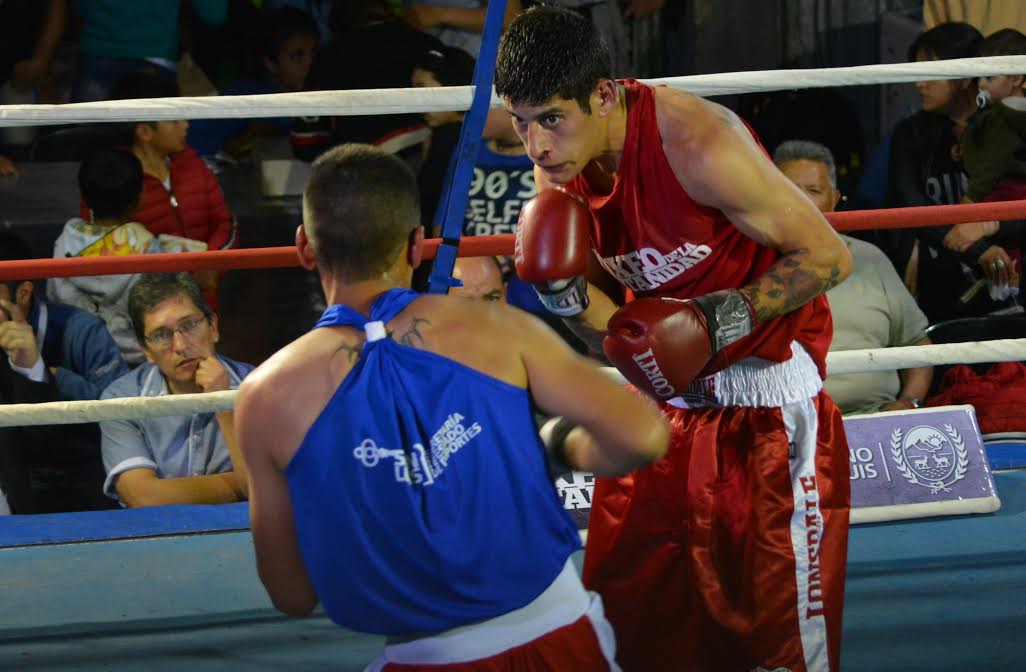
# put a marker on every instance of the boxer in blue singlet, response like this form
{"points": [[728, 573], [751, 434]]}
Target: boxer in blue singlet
{"points": [[395, 472]]}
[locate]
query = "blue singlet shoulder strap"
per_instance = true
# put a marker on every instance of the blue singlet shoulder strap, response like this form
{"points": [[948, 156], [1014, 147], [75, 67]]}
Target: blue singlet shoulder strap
{"points": [[384, 308]]}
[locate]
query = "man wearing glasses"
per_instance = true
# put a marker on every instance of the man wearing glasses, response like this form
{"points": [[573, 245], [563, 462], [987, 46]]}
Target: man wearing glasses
{"points": [[174, 459]]}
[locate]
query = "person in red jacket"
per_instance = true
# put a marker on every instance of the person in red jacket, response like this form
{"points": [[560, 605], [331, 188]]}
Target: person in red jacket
{"points": [[181, 196]]}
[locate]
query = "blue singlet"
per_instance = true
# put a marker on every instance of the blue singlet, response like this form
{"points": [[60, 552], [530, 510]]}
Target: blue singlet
{"points": [[421, 495]]}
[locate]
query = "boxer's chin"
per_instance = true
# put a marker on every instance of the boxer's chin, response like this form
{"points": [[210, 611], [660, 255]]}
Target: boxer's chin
{"points": [[560, 173]]}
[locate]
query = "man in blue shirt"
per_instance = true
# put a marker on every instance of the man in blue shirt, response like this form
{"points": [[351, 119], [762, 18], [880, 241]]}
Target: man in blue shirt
{"points": [[64, 354], [174, 459]]}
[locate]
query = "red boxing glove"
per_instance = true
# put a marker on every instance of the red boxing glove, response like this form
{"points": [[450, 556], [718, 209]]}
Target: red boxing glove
{"points": [[552, 246], [659, 345]]}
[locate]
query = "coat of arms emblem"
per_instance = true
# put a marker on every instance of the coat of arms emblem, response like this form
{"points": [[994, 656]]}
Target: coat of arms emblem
{"points": [[930, 457]]}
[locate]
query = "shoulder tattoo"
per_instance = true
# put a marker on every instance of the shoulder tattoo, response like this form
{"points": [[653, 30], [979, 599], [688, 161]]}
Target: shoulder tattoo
{"points": [[412, 336]]}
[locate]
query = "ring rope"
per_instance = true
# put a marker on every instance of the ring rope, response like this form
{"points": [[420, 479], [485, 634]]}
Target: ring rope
{"points": [[474, 246], [451, 98], [840, 362]]}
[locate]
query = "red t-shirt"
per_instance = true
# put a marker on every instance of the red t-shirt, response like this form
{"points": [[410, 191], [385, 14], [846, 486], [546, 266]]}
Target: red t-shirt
{"points": [[655, 240]]}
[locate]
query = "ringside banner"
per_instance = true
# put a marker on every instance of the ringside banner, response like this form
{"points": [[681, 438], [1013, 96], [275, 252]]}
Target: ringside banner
{"points": [[903, 464]]}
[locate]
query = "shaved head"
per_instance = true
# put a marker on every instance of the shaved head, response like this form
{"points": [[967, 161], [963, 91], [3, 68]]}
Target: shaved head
{"points": [[482, 279]]}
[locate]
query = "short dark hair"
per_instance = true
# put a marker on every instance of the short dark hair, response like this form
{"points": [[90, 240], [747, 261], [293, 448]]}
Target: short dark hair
{"points": [[137, 84], [547, 52], [1005, 42], [279, 25], [451, 66], [946, 41], [152, 290], [359, 209], [111, 182]]}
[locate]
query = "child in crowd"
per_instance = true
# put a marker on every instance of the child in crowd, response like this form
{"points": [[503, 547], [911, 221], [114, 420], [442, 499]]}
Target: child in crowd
{"points": [[994, 144], [993, 149], [287, 40], [181, 196], [111, 185]]}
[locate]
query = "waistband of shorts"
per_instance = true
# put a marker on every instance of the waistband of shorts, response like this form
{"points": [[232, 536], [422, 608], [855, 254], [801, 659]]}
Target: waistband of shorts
{"points": [[756, 382], [562, 603]]}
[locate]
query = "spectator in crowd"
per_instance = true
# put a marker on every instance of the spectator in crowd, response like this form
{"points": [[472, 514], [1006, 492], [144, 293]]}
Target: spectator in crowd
{"points": [[457, 23], [174, 459], [287, 41], [993, 147], [55, 352], [503, 174], [993, 143], [181, 196], [372, 49], [481, 278], [318, 10], [871, 308], [111, 185], [925, 169], [122, 36], [444, 66]]}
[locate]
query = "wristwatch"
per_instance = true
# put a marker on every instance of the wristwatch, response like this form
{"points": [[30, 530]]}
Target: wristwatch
{"points": [[913, 401]]}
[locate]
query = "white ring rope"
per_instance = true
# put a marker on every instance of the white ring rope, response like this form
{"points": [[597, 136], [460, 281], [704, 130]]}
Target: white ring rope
{"points": [[849, 361], [442, 99], [914, 356], [129, 408]]}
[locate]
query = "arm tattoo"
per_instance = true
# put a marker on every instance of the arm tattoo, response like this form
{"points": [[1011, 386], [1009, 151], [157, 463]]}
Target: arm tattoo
{"points": [[351, 352], [412, 336], [788, 285]]}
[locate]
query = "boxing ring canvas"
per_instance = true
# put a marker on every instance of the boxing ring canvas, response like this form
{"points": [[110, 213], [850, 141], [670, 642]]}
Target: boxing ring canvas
{"points": [[935, 594]]}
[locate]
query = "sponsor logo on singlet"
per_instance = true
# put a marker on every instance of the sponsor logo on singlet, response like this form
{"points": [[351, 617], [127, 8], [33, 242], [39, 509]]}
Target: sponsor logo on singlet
{"points": [[648, 268], [419, 465]]}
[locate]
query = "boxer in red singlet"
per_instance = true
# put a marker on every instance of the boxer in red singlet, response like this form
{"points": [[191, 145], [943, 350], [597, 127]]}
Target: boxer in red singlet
{"points": [[729, 553]]}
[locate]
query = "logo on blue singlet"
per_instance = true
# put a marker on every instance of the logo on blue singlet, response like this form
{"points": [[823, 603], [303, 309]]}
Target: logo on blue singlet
{"points": [[419, 466]]}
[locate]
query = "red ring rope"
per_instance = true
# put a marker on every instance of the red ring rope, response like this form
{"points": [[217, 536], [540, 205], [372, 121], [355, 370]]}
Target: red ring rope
{"points": [[476, 246]]}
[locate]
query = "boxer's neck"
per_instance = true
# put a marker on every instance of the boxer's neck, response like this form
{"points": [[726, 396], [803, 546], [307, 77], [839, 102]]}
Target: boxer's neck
{"points": [[607, 162]]}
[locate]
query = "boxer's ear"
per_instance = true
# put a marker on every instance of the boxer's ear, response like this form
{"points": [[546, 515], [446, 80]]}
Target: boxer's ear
{"points": [[415, 250], [605, 98], [304, 250]]}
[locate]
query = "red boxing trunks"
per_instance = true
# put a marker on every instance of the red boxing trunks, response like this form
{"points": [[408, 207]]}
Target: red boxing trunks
{"points": [[729, 553]]}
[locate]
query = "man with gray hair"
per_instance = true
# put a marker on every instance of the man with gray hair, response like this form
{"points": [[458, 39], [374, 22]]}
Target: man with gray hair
{"points": [[871, 308]]}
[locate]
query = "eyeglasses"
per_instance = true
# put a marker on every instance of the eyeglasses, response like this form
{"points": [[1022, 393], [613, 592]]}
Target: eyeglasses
{"points": [[189, 328]]}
